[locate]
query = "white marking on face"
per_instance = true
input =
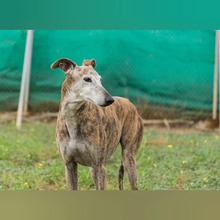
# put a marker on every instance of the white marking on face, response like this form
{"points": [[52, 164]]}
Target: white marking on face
{"points": [[93, 90]]}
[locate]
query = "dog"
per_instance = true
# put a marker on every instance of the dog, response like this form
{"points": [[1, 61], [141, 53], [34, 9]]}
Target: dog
{"points": [[91, 124]]}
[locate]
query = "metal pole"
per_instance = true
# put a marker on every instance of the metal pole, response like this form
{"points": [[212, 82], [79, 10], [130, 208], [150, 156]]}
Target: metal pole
{"points": [[25, 76], [218, 77], [215, 82], [27, 81]]}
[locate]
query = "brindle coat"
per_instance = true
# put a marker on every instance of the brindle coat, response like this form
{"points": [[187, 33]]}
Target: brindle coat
{"points": [[89, 134]]}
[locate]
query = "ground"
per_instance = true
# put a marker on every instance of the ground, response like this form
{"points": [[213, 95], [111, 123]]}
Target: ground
{"points": [[176, 159]]}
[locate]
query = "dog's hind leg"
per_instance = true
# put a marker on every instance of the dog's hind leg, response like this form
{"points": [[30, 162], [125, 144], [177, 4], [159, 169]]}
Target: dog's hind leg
{"points": [[130, 143], [71, 175], [121, 176], [99, 176], [129, 163]]}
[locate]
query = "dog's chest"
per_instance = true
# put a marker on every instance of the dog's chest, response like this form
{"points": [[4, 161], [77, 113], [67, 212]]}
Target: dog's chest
{"points": [[82, 151], [73, 149], [79, 143]]}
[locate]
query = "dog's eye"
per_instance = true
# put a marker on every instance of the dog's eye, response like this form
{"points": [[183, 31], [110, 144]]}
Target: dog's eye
{"points": [[87, 79]]}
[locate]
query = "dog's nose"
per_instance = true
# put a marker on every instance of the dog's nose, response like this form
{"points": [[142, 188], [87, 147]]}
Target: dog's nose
{"points": [[109, 100]]}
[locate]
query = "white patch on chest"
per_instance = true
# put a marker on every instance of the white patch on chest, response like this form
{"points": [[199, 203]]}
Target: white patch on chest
{"points": [[77, 150], [76, 147]]}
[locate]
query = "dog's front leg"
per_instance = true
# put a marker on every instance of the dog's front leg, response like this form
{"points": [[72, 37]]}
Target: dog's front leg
{"points": [[71, 175], [99, 176]]}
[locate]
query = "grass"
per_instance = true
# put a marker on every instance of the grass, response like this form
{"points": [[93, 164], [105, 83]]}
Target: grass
{"points": [[166, 161]]}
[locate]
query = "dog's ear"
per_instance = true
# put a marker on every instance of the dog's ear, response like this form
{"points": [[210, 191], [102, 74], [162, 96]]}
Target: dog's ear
{"points": [[64, 64], [91, 62]]}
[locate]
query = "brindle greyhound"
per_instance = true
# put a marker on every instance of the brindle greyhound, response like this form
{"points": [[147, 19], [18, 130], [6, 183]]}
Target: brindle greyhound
{"points": [[91, 124]]}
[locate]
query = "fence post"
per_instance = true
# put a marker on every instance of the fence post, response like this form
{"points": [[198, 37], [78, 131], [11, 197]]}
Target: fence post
{"points": [[24, 90], [215, 82]]}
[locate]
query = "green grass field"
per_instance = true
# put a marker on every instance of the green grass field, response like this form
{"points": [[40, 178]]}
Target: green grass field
{"points": [[167, 160]]}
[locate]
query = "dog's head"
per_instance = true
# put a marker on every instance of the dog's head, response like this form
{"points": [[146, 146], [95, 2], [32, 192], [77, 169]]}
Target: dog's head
{"points": [[82, 82]]}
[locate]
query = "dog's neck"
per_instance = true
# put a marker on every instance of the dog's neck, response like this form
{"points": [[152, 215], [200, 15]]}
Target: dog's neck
{"points": [[71, 109], [73, 113], [70, 104]]}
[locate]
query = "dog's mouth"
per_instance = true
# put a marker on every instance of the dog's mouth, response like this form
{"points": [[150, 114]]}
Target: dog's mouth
{"points": [[103, 105], [106, 104]]}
